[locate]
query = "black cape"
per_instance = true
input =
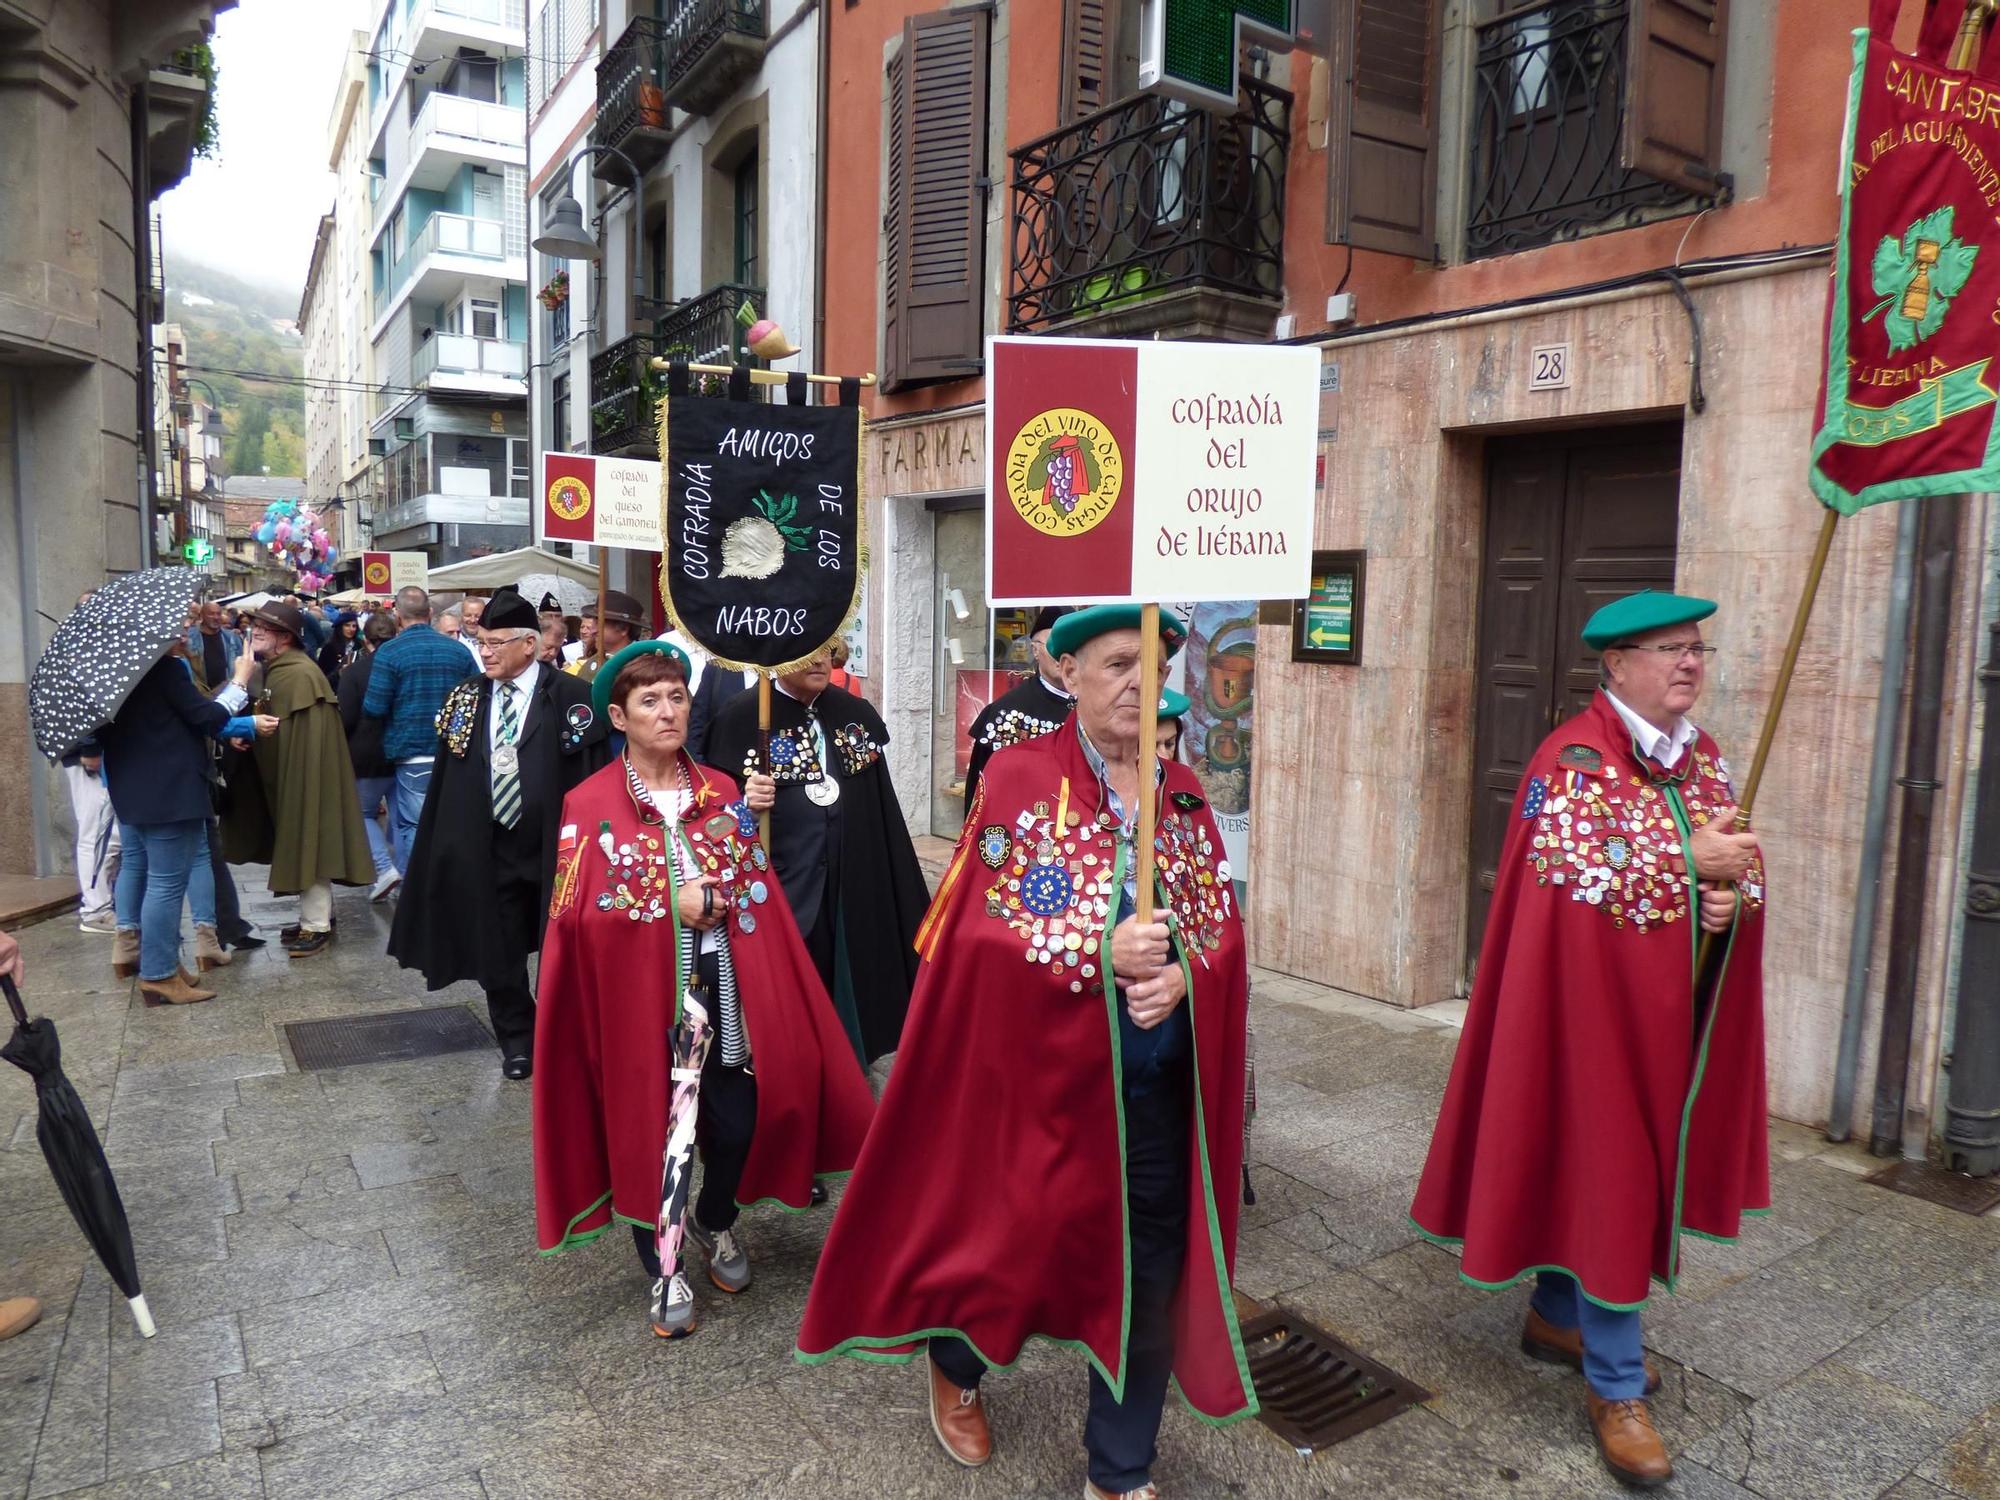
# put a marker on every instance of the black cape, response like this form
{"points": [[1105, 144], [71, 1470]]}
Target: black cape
{"points": [[447, 923], [1026, 711], [851, 863]]}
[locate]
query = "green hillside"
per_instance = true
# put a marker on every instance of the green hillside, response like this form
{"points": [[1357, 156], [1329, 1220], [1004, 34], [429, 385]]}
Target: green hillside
{"points": [[232, 324]]}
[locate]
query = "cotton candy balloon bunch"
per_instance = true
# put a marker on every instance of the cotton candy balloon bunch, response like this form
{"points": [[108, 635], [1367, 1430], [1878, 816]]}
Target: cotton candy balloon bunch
{"points": [[298, 541]]}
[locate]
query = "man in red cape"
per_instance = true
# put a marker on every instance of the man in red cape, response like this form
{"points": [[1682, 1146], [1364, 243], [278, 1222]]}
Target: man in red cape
{"points": [[611, 982], [1601, 1104], [1057, 1156]]}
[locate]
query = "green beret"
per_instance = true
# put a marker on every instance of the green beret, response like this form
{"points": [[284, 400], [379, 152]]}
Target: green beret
{"points": [[607, 675], [1635, 614], [1173, 704], [1081, 625]]}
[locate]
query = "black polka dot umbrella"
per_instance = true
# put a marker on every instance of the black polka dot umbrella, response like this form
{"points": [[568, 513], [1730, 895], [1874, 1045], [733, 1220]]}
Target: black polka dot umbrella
{"points": [[97, 656]]}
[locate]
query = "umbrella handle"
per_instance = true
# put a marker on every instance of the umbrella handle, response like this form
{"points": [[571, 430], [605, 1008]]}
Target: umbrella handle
{"points": [[14, 1000]]}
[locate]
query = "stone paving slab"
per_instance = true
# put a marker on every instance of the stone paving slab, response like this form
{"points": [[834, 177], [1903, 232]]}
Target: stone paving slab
{"points": [[350, 1310]]}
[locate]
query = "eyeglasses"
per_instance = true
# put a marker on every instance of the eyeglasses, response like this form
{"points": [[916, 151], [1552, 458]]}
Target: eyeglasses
{"points": [[1672, 650], [492, 643]]}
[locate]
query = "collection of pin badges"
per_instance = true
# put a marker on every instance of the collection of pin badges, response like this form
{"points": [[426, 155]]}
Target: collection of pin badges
{"points": [[857, 747], [1197, 882], [1053, 887], [639, 884], [458, 715], [1610, 839], [1011, 727]]}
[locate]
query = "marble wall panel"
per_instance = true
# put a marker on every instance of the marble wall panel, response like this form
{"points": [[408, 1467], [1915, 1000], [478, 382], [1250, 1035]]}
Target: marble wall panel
{"points": [[1406, 480]]}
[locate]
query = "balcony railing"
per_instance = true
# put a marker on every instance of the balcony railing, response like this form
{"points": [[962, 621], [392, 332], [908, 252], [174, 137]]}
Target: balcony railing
{"points": [[1548, 114], [1146, 199], [631, 99], [448, 119], [625, 389], [443, 234], [711, 47], [447, 354]]}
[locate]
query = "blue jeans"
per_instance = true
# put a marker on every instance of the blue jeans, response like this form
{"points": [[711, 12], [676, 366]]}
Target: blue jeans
{"points": [[153, 881], [201, 883], [374, 791], [413, 780], [1614, 1360]]}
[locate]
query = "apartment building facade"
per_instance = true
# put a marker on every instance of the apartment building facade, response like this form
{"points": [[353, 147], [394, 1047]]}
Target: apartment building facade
{"points": [[1444, 196], [446, 252], [100, 106], [714, 104]]}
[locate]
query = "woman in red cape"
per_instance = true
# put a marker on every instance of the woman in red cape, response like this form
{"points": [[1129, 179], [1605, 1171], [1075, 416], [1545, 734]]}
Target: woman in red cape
{"points": [[615, 965], [1597, 1111], [991, 1200]]}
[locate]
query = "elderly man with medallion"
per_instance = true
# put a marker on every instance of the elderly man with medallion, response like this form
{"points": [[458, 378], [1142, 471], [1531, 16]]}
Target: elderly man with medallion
{"points": [[512, 743], [1035, 706], [1057, 1151], [1608, 1097], [838, 841], [677, 1008]]}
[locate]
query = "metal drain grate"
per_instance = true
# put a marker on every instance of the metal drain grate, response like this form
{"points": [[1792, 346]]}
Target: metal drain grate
{"points": [[1314, 1391], [1919, 1179], [391, 1036]]}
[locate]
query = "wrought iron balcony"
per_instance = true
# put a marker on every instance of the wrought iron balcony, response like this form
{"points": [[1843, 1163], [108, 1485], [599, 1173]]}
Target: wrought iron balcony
{"points": [[1150, 216], [712, 47], [624, 388], [1548, 117], [632, 110]]}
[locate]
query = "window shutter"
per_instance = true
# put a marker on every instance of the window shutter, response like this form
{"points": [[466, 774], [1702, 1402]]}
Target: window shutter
{"points": [[1382, 127], [1090, 28], [1673, 91], [936, 237]]}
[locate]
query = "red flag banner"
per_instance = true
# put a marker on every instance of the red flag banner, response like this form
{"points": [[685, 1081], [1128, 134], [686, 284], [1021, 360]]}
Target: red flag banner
{"points": [[1913, 323]]}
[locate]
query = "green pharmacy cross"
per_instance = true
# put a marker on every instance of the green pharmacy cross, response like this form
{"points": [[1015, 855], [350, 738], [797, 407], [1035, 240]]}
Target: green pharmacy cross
{"points": [[197, 551], [1188, 48]]}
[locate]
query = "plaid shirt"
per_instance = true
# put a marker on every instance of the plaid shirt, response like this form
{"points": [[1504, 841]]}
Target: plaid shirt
{"points": [[412, 673]]}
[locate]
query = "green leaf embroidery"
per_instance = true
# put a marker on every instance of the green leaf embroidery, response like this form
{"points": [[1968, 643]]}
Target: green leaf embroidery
{"points": [[1905, 274], [1091, 471]]}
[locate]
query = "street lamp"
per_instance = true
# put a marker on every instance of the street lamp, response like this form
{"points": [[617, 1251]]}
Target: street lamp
{"points": [[563, 236]]}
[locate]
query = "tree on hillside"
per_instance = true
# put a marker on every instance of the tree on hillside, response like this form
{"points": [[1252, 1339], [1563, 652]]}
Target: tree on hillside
{"points": [[253, 424]]}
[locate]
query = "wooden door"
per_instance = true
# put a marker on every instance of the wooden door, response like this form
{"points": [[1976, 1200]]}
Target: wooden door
{"points": [[1573, 520]]}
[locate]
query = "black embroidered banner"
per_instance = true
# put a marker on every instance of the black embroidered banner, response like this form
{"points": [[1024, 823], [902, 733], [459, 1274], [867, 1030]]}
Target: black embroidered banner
{"points": [[763, 524]]}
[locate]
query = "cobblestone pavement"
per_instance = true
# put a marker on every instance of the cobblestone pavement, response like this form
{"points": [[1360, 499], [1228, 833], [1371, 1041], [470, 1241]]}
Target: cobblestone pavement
{"points": [[341, 1265]]}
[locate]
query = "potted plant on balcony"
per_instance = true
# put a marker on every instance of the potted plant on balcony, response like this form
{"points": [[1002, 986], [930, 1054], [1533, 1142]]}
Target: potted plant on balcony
{"points": [[556, 293], [652, 105]]}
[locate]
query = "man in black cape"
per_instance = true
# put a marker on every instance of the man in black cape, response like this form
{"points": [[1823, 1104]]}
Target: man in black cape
{"points": [[511, 744], [1026, 711], [839, 844]]}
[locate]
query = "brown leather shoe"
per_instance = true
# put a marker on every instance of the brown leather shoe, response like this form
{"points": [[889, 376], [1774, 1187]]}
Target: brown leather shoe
{"points": [[18, 1315], [958, 1417], [1628, 1442], [172, 991], [1541, 1339], [125, 953]]}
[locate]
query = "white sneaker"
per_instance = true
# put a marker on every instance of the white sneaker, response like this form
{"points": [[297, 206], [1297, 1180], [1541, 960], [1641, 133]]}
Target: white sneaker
{"points": [[728, 1264], [673, 1307], [104, 923], [386, 882]]}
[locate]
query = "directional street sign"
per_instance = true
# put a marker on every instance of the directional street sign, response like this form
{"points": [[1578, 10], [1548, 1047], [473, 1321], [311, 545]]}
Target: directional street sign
{"points": [[1188, 48]]}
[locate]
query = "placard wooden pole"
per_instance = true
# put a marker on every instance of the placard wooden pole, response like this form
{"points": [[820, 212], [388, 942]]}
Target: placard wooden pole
{"points": [[764, 377], [603, 572], [1149, 751], [764, 746]]}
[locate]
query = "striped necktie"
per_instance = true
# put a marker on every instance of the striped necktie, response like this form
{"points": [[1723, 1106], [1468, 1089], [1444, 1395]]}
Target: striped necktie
{"points": [[507, 783]]}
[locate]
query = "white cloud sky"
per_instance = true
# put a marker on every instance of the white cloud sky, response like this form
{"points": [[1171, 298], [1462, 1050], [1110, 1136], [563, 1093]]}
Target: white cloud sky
{"points": [[254, 211]]}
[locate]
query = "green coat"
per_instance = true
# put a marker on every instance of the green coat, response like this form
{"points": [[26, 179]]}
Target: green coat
{"points": [[293, 806]]}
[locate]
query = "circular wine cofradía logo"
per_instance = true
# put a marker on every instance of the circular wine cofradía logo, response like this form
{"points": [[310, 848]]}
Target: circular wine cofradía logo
{"points": [[569, 497], [1064, 471], [377, 576]]}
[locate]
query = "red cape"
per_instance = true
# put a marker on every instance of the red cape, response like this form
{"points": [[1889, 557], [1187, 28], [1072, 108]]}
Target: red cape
{"points": [[990, 1198], [1587, 1123], [610, 994]]}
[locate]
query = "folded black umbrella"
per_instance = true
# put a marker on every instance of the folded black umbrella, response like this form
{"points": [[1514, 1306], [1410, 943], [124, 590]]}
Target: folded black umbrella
{"points": [[76, 1159], [101, 650]]}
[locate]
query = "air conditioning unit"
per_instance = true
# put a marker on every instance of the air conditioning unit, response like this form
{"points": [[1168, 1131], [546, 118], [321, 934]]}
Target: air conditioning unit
{"points": [[406, 429], [378, 447]]}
